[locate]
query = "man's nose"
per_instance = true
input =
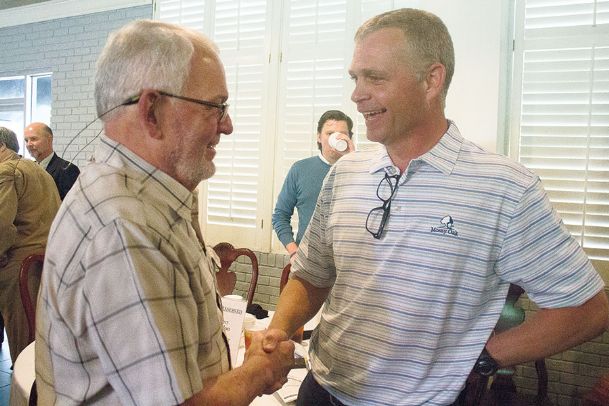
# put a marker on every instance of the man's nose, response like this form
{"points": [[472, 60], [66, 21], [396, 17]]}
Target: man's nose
{"points": [[226, 125]]}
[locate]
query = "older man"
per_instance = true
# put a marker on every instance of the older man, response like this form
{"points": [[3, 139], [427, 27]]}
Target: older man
{"points": [[413, 246], [28, 204], [129, 312], [39, 143]]}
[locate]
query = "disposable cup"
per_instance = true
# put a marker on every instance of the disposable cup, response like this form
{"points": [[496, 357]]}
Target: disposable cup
{"points": [[247, 334]]}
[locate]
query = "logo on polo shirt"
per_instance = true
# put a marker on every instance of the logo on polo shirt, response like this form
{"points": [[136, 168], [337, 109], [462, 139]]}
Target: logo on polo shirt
{"points": [[447, 227]]}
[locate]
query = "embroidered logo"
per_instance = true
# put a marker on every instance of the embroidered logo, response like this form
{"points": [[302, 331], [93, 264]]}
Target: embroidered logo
{"points": [[447, 227]]}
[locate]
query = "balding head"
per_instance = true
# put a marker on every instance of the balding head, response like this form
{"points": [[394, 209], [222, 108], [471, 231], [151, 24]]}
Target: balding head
{"points": [[38, 140]]}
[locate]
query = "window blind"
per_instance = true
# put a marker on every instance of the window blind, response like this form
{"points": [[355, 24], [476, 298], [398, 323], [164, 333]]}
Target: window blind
{"points": [[562, 66], [189, 13]]}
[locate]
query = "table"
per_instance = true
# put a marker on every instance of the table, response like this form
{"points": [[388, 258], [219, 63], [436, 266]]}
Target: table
{"points": [[23, 377], [24, 374]]}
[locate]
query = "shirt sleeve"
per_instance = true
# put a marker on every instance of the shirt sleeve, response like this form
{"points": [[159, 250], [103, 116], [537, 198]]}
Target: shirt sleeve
{"points": [[315, 259], [540, 255], [8, 211], [142, 316], [284, 209]]}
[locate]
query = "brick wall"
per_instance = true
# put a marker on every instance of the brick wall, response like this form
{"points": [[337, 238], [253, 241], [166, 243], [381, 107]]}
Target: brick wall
{"points": [[269, 272], [67, 47], [571, 374]]}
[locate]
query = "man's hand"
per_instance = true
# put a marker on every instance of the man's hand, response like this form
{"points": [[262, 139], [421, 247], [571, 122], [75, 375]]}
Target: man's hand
{"points": [[292, 249], [272, 338], [273, 355], [350, 144]]}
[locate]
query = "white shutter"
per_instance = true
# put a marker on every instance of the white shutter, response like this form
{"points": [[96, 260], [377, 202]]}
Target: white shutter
{"points": [[241, 29], [562, 54], [231, 209], [315, 51], [313, 75], [189, 13]]}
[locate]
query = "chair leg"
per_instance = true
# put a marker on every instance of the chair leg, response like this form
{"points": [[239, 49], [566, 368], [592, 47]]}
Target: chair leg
{"points": [[33, 399], [542, 381], [1, 329]]}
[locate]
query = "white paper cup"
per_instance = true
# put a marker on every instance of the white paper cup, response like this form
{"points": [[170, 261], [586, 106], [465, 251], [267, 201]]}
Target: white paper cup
{"points": [[338, 144]]}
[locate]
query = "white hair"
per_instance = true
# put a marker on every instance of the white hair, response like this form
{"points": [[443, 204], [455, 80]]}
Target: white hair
{"points": [[144, 54]]}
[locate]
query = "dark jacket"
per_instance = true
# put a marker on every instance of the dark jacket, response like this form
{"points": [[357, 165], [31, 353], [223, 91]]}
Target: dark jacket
{"points": [[64, 173]]}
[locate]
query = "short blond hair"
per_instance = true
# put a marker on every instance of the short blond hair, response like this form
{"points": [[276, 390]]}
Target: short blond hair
{"points": [[427, 38]]}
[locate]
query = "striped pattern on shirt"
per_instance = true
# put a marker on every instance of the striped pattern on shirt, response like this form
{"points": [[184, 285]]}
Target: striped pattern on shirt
{"points": [[409, 313], [128, 311]]}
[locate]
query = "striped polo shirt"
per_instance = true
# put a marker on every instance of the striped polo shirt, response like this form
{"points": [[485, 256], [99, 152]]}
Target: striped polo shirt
{"points": [[409, 313]]}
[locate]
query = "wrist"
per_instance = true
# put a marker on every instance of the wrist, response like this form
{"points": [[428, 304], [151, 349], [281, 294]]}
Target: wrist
{"points": [[486, 365], [293, 253]]}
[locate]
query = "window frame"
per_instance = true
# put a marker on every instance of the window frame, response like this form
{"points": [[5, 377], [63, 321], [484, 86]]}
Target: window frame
{"points": [[578, 36], [27, 105]]}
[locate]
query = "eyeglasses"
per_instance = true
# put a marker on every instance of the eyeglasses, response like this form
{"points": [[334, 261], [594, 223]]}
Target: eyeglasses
{"points": [[223, 107], [377, 218]]}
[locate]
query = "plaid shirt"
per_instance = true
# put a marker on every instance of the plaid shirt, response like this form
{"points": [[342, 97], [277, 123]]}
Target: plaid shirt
{"points": [[128, 310]]}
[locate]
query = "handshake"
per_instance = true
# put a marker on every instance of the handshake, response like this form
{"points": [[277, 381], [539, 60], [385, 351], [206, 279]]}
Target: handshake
{"points": [[271, 353]]}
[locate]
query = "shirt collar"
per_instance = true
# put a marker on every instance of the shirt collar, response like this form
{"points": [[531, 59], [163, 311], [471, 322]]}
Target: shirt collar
{"points": [[443, 156], [324, 160], [45, 162], [170, 191]]}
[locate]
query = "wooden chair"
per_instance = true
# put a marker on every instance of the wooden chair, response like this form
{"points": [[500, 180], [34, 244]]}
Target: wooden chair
{"points": [[285, 276], [227, 279], [502, 391], [28, 299]]}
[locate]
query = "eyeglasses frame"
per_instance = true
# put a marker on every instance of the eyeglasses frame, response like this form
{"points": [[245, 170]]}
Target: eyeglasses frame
{"points": [[223, 107], [386, 206]]}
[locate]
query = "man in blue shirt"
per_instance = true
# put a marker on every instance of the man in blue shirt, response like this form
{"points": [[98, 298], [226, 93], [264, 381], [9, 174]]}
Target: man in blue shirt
{"points": [[303, 182]]}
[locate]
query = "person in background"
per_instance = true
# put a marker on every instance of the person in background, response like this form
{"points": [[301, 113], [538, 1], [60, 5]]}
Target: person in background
{"points": [[303, 182], [413, 247], [39, 143], [128, 310], [28, 204]]}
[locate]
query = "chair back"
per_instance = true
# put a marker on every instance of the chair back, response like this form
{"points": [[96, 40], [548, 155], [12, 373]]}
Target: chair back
{"points": [[1, 329], [285, 275], [30, 264], [227, 279]]}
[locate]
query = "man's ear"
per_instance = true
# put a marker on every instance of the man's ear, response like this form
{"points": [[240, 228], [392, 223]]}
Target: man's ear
{"points": [[148, 112], [435, 77]]}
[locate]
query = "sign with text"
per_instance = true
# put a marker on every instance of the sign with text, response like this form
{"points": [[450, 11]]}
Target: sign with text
{"points": [[234, 307]]}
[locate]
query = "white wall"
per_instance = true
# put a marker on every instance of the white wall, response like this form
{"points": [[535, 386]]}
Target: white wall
{"points": [[67, 47]]}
